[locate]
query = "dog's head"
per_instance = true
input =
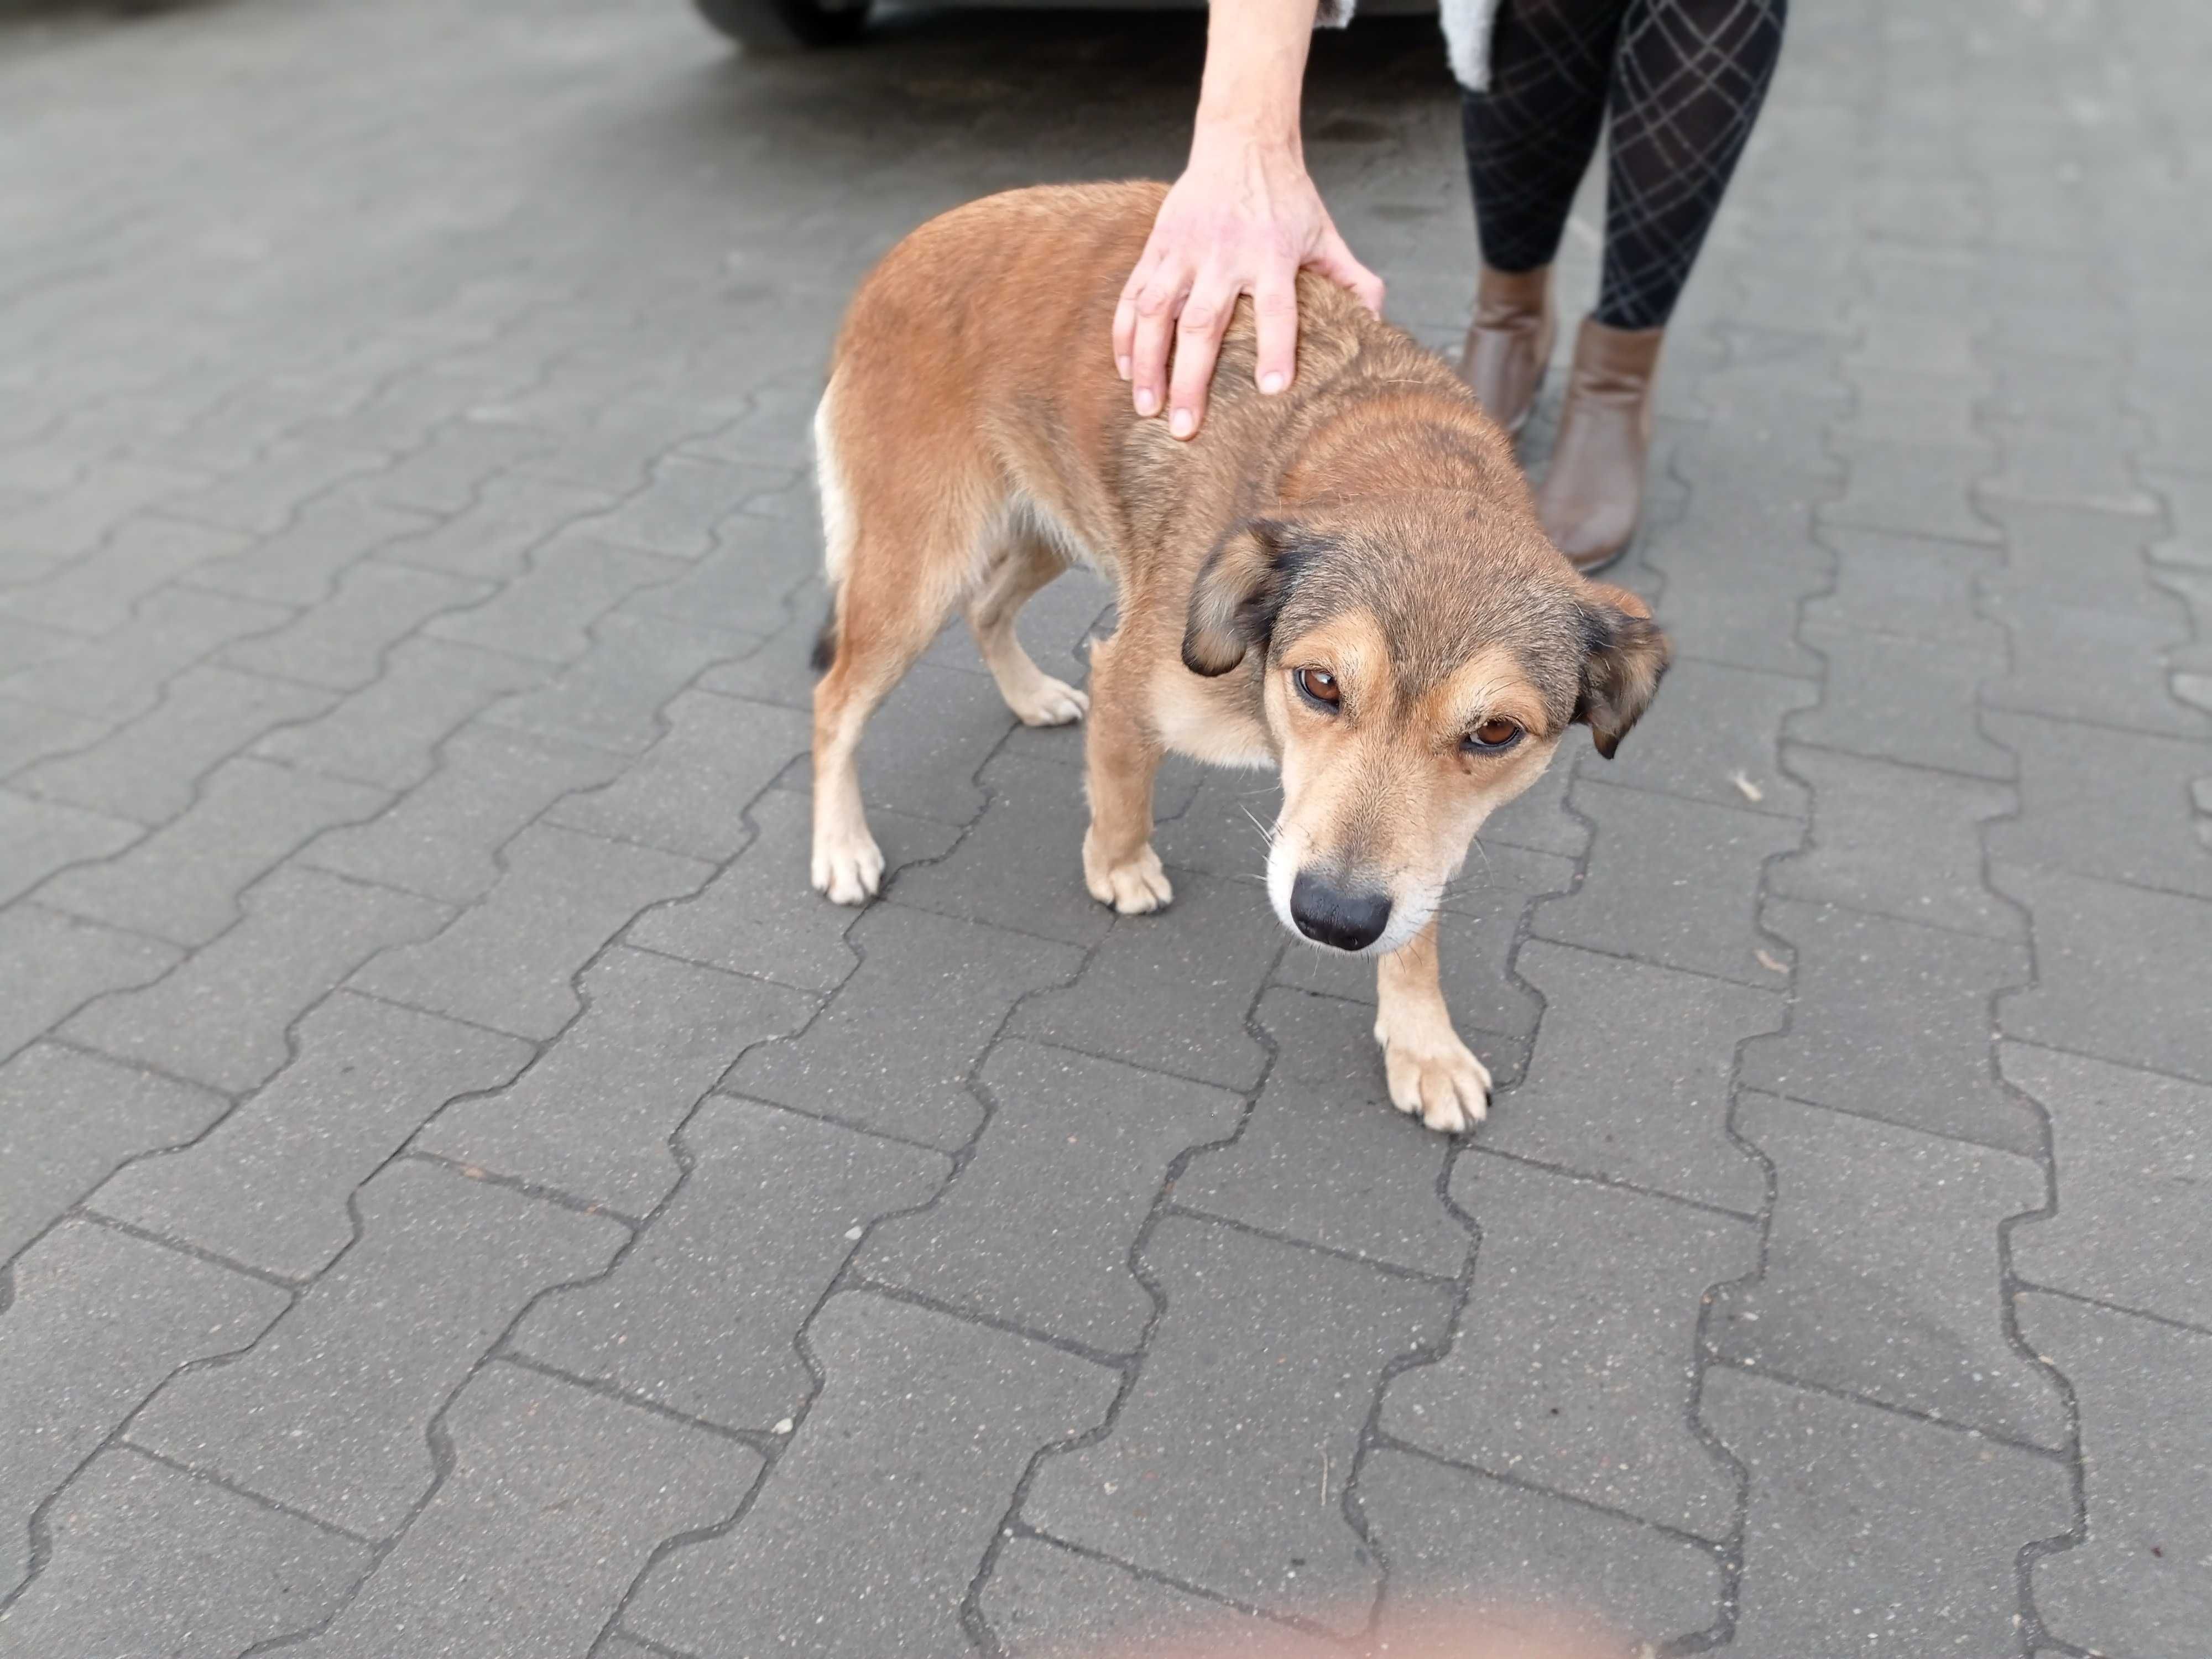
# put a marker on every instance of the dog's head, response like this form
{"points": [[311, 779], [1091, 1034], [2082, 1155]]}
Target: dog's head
{"points": [[1418, 671]]}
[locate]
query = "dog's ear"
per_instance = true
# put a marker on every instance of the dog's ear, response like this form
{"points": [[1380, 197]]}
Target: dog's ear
{"points": [[1240, 589], [1624, 657]]}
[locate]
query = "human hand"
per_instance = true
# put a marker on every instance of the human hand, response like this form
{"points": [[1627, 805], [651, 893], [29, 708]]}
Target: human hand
{"points": [[1244, 218]]}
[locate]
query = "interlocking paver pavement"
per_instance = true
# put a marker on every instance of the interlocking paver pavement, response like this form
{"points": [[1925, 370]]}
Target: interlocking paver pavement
{"points": [[461, 1194]]}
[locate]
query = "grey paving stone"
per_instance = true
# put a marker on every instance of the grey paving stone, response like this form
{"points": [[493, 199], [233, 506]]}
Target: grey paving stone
{"points": [[38, 837], [1738, 611], [121, 674], [223, 1018], [2101, 662], [1915, 588], [491, 541], [51, 964], [1628, 1078], [1455, 1538], [445, 472], [263, 497], [688, 793], [1882, 1269], [545, 613], [97, 593], [182, 883], [300, 565], [2142, 1581], [341, 643], [29, 733], [760, 915], [595, 1115], [328, 1413], [1213, 818], [1935, 407], [1574, 1370], [678, 510], [444, 838], [1172, 990], [507, 963], [866, 1535], [2118, 971], [76, 520], [927, 744], [270, 1186], [2066, 465], [555, 1499], [1045, 1601], [96, 1323], [1711, 726], [1908, 489], [612, 695], [2131, 1147], [1899, 840], [149, 769], [1890, 697], [1671, 882], [148, 1558], [1891, 1020], [894, 1050], [1539, 819], [1021, 865], [779, 668], [1036, 1229], [618, 450], [1326, 1106], [389, 733], [1874, 1531], [2099, 802], [1217, 1482], [1483, 912], [744, 583], [701, 1315]]}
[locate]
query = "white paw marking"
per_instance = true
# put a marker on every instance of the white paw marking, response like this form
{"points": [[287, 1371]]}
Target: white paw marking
{"points": [[1050, 702], [848, 867], [1132, 888], [1437, 1081]]}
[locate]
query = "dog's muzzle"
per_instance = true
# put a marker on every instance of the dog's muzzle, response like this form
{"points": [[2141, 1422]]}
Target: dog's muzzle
{"points": [[1344, 921]]}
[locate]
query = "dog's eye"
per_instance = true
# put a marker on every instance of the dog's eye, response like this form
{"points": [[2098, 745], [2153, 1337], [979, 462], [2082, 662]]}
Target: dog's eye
{"points": [[1318, 687], [1494, 737]]}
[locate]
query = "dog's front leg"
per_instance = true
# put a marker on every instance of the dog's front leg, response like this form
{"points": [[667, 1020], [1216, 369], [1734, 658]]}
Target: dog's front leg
{"points": [[1121, 759], [1433, 1075]]}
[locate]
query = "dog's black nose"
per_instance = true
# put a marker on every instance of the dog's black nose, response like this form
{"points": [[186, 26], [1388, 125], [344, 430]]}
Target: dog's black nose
{"points": [[1350, 921]]}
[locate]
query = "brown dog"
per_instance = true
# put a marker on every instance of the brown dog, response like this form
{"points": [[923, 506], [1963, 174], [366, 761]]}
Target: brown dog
{"points": [[1346, 581]]}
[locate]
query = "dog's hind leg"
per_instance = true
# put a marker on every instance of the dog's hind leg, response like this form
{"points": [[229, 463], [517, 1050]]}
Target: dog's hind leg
{"points": [[1028, 563], [899, 557]]}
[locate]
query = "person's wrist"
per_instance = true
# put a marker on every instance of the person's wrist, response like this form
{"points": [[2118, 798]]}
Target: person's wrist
{"points": [[1271, 134]]}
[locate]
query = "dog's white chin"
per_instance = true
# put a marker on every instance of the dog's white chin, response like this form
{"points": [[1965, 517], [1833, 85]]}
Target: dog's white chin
{"points": [[1407, 916]]}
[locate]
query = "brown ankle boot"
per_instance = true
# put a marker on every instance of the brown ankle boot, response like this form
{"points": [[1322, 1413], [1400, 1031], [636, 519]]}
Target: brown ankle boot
{"points": [[1594, 492], [1508, 343]]}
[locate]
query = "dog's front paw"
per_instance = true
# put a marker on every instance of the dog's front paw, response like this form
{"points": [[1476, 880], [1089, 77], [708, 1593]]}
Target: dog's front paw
{"points": [[1050, 702], [848, 867], [1132, 888], [1435, 1077]]}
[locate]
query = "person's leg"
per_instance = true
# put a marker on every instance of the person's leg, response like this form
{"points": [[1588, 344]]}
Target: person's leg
{"points": [[1529, 136], [1688, 77]]}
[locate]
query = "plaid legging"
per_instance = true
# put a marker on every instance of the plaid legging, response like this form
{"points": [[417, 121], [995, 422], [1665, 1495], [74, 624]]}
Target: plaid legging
{"points": [[1679, 82]]}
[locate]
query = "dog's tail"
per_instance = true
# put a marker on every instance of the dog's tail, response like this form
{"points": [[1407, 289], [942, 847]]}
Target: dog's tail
{"points": [[825, 642]]}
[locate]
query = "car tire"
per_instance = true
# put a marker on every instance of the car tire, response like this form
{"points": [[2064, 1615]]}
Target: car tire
{"points": [[785, 25]]}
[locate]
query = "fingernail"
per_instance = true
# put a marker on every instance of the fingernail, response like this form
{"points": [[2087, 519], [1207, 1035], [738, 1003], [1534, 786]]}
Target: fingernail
{"points": [[1148, 401], [1272, 381], [1182, 424], [1121, 366]]}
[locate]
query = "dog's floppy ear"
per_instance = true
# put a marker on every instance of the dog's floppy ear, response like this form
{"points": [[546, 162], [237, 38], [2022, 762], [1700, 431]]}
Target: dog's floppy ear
{"points": [[1624, 657], [1239, 590]]}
